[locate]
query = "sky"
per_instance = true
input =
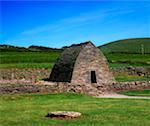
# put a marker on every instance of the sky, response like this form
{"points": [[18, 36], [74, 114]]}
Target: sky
{"points": [[64, 22]]}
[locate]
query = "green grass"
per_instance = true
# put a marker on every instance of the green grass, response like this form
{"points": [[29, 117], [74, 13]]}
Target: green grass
{"points": [[124, 78], [123, 60], [30, 110], [46, 59], [27, 65], [138, 93], [28, 57], [119, 53], [134, 45]]}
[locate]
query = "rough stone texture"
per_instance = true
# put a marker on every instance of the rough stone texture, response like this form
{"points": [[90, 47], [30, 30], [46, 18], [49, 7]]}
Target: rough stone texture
{"points": [[75, 66], [27, 88], [91, 59], [31, 74], [128, 86], [88, 89], [64, 114], [63, 68], [136, 71], [28, 74]]}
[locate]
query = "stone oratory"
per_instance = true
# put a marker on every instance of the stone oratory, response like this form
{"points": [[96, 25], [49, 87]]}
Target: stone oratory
{"points": [[83, 64]]}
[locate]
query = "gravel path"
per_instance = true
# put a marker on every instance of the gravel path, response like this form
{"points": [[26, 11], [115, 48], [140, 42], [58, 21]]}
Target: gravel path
{"points": [[122, 96]]}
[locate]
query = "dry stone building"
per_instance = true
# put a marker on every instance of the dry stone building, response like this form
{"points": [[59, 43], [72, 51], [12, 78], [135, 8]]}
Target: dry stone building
{"points": [[82, 64]]}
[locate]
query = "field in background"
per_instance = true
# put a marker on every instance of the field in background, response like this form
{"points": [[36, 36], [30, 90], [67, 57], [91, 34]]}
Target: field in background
{"points": [[122, 53], [133, 46], [32, 108], [46, 59]]}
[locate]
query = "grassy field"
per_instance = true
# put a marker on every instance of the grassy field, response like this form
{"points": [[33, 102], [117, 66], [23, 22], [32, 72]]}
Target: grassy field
{"points": [[138, 93], [28, 57], [128, 60], [30, 110], [133, 45], [47, 59], [121, 53], [125, 77]]}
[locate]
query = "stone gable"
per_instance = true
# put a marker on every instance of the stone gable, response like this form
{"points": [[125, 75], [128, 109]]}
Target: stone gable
{"points": [[83, 64]]}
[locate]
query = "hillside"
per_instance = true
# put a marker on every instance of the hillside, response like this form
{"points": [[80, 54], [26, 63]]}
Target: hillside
{"points": [[11, 48], [120, 53], [135, 45]]}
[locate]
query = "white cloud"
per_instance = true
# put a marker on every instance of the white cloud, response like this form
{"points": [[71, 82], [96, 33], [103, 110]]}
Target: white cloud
{"points": [[74, 22]]}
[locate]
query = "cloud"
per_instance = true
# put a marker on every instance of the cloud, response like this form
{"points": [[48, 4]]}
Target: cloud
{"points": [[71, 29], [77, 21], [64, 24]]}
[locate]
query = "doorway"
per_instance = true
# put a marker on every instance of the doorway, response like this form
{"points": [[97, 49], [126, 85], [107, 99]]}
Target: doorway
{"points": [[93, 77]]}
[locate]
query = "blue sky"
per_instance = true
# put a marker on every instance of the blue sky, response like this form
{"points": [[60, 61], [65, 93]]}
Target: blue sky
{"points": [[62, 23]]}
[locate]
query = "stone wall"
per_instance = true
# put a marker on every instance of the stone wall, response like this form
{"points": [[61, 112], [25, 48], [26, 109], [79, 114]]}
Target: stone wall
{"points": [[137, 71], [48, 88], [90, 59], [24, 74], [93, 90], [38, 74], [128, 86]]}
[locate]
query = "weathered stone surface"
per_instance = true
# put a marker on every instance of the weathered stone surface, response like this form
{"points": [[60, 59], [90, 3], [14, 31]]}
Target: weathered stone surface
{"points": [[63, 68], [33, 75], [76, 65], [27, 74], [73, 69], [136, 71], [64, 114], [127, 86], [91, 59], [93, 90]]}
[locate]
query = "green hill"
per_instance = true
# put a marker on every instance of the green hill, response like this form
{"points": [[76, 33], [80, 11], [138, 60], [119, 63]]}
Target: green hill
{"points": [[11, 48], [135, 45], [120, 53], [42, 48]]}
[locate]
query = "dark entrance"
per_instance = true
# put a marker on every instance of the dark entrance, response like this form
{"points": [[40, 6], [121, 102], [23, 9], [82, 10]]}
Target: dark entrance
{"points": [[93, 77]]}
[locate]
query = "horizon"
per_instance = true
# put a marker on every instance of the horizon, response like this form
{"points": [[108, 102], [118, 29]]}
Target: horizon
{"points": [[73, 43], [62, 23]]}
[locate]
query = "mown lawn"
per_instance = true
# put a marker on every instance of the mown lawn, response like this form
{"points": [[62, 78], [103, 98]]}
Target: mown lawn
{"points": [[125, 77], [138, 93], [30, 110]]}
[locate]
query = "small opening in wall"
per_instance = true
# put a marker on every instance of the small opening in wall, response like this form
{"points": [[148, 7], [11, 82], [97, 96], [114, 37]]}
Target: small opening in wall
{"points": [[93, 77]]}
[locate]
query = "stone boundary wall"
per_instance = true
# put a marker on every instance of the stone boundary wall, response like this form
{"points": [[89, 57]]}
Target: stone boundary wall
{"points": [[128, 86], [138, 71], [30, 74], [49, 87], [37, 74]]}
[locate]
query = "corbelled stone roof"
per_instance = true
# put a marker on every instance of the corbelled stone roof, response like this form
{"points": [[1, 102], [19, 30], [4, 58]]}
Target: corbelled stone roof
{"points": [[62, 70]]}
